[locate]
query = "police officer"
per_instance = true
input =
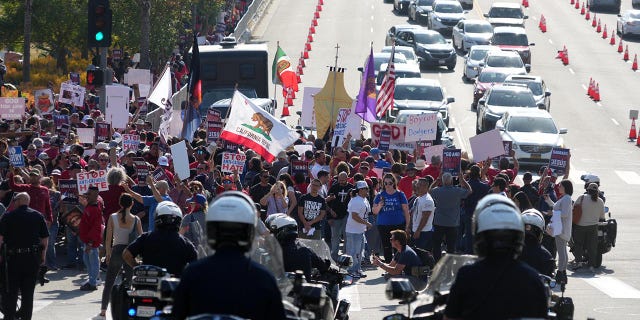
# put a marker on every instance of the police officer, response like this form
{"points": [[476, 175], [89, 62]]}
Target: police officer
{"points": [[228, 282], [24, 233], [164, 246], [498, 286], [533, 253]]}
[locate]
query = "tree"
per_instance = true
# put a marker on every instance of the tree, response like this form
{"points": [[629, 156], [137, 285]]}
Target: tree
{"points": [[145, 32], [26, 57]]}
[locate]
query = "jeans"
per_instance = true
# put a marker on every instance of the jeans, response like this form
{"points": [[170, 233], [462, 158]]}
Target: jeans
{"points": [[385, 238], [337, 232], [449, 234], [424, 241], [373, 245], [585, 238], [563, 256], [92, 262], [51, 246], [115, 266], [466, 236], [74, 249], [355, 248]]}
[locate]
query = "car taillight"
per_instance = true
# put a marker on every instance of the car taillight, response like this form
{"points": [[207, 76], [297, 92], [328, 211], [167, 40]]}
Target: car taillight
{"points": [[147, 300]]}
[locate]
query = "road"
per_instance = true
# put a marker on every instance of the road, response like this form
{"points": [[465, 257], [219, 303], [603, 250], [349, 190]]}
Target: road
{"points": [[597, 133]]}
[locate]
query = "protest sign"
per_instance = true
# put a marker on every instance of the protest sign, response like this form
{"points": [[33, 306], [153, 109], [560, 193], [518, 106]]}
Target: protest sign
{"points": [[421, 147], [340, 130], [213, 130], [308, 117], [69, 190], [559, 161], [354, 125], [180, 159], [421, 126], [92, 178], [229, 146], [232, 162], [138, 76], [130, 142], [103, 132], [302, 149], [451, 161], [633, 114], [16, 157], [11, 108], [43, 101], [77, 99], [214, 115], [60, 119], [66, 93], [117, 106], [385, 140], [431, 151], [486, 145], [507, 150], [299, 167], [116, 54], [142, 171], [160, 175], [63, 131]]}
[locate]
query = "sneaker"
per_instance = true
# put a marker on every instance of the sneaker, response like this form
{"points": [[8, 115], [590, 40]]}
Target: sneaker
{"points": [[88, 287], [592, 269], [362, 275]]}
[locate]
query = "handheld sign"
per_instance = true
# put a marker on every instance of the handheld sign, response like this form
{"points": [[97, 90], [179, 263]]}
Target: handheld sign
{"points": [[299, 167], [451, 161], [421, 147], [421, 127], [69, 190], [12, 108], [142, 171], [559, 161], [232, 161], [214, 115], [486, 145], [213, 130], [63, 132], [16, 157], [103, 132], [92, 178], [180, 159], [507, 150], [160, 175], [385, 140], [339, 132], [130, 142], [60, 119]]}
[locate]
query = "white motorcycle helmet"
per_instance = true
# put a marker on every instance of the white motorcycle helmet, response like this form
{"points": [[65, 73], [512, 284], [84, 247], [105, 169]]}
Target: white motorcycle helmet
{"points": [[231, 221], [168, 215], [533, 223], [286, 228], [590, 178], [497, 227], [269, 221]]}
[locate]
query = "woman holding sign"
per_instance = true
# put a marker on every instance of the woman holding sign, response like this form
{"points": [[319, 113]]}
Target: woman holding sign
{"points": [[392, 209]]}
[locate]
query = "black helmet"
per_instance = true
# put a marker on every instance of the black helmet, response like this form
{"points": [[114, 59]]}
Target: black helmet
{"points": [[497, 226]]}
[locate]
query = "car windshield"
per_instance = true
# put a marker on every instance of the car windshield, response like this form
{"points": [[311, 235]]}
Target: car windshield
{"points": [[478, 54], [399, 74], [407, 53], [448, 8], [531, 124], [535, 87], [425, 2], [416, 92], [510, 39], [498, 12], [504, 98], [430, 38], [634, 15], [478, 28], [379, 60], [491, 77], [504, 62]]}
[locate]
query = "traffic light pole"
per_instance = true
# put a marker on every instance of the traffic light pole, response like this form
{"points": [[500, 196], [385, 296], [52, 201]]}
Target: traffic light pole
{"points": [[107, 80]]}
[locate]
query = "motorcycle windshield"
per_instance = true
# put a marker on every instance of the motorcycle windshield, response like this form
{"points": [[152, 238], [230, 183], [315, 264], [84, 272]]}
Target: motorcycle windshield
{"points": [[319, 247], [267, 251]]}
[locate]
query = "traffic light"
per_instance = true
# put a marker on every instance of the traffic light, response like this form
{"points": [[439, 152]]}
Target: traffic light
{"points": [[99, 23], [95, 77]]}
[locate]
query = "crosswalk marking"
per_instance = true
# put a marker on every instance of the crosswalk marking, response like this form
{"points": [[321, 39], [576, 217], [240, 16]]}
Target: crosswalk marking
{"points": [[614, 287], [40, 304], [351, 294], [630, 177]]}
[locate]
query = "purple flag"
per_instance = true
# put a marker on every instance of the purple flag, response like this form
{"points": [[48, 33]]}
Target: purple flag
{"points": [[366, 105]]}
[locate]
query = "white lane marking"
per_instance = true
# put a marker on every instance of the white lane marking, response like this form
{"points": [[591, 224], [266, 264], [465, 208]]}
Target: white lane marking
{"points": [[550, 41], [584, 87], [614, 287], [599, 104], [40, 304], [371, 18], [615, 122], [371, 29], [352, 295], [571, 70], [630, 177]]}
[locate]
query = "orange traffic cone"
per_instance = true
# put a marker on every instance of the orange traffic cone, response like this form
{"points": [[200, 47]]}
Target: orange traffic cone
{"points": [[301, 60], [590, 90], [307, 46], [596, 93], [305, 54], [620, 49], [565, 57], [577, 6], [599, 27], [285, 111], [573, 1], [318, 8], [625, 57], [298, 77], [314, 22], [588, 15], [320, 2], [613, 39], [543, 23], [316, 15], [312, 29], [634, 66], [594, 22], [582, 10], [632, 131], [300, 70], [604, 33], [310, 38], [525, 3]]}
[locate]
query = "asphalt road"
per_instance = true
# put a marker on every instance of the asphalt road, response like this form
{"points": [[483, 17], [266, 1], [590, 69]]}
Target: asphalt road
{"points": [[597, 132]]}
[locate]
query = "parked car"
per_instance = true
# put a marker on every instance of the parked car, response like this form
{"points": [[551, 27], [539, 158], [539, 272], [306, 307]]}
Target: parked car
{"points": [[401, 6], [635, 4], [429, 45], [488, 78], [468, 33], [419, 10], [601, 5], [392, 33], [407, 52], [509, 61], [506, 14], [442, 133], [498, 100], [628, 23], [533, 134], [513, 39], [421, 94], [402, 70], [473, 58], [538, 87], [445, 15]]}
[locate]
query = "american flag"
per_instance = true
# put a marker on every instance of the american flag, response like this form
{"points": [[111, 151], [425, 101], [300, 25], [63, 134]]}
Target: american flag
{"points": [[385, 96]]}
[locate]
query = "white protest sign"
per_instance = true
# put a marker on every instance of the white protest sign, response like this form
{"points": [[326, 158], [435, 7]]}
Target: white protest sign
{"points": [[308, 119], [144, 90], [78, 96], [232, 162], [138, 76], [66, 93], [117, 109], [130, 142], [339, 132], [433, 151], [12, 108], [92, 178], [180, 159], [86, 135], [302, 148], [421, 127], [486, 145]]}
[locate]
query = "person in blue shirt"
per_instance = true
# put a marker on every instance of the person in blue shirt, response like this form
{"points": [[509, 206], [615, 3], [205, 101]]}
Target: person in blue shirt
{"points": [[403, 261], [380, 161], [392, 209], [159, 189]]}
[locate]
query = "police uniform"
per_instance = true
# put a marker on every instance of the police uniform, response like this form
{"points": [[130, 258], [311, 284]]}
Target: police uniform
{"points": [[537, 257], [298, 257], [243, 288], [22, 230], [164, 248]]}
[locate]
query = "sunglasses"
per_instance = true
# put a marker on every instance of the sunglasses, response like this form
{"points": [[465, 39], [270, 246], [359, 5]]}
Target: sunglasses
{"points": [[226, 182]]}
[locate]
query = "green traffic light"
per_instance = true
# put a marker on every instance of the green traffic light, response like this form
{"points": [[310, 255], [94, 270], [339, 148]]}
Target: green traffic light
{"points": [[99, 36]]}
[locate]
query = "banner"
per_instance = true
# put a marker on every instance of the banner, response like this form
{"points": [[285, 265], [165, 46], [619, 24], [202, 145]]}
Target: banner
{"points": [[86, 135], [16, 157], [43, 101], [130, 142], [142, 171], [385, 140], [60, 119], [340, 131], [92, 178], [103, 132], [117, 106], [451, 161], [12, 108], [213, 130], [69, 190], [486, 145], [160, 175], [299, 167], [180, 159], [233, 161], [559, 161], [421, 127]]}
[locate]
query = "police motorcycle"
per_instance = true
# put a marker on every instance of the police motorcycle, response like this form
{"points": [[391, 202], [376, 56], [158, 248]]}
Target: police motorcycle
{"points": [[607, 229]]}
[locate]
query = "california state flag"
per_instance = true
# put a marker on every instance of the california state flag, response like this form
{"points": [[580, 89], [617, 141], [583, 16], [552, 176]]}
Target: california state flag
{"points": [[252, 127], [282, 71]]}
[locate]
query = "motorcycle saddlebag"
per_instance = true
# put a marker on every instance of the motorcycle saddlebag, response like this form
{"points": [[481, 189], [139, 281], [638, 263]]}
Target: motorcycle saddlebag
{"points": [[564, 308], [119, 302], [612, 231]]}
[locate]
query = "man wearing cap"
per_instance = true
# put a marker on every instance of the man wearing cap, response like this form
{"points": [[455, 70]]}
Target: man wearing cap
{"points": [[90, 233], [48, 164], [163, 162], [405, 183], [101, 147], [39, 193], [32, 157], [358, 211]]}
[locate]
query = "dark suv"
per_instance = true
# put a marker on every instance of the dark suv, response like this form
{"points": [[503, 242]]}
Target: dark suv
{"points": [[430, 46]]}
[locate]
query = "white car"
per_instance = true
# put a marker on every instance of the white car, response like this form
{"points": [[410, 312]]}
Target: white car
{"points": [[468, 33], [532, 132], [403, 70], [508, 61], [445, 15], [442, 135], [506, 14], [473, 59], [380, 58], [408, 53], [421, 94], [628, 23]]}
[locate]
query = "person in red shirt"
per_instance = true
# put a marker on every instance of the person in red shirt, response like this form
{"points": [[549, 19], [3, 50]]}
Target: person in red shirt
{"points": [[90, 233], [405, 183], [503, 166], [432, 169], [111, 197], [37, 192]]}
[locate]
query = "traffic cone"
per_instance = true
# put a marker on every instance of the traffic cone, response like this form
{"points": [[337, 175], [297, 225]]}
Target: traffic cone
{"points": [[560, 55], [285, 110], [599, 27], [320, 2], [310, 38], [588, 15], [301, 60], [314, 22], [613, 39], [525, 3], [590, 90], [312, 29], [625, 57], [543, 24], [577, 6], [298, 77], [307, 46], [634, 66], [316, 15], [620, 49], [637, 142], [594, 22], [290, 103], [565, 56], [604, 33], [596, 93], [632, 131], [318, 8], [300, 70], [582, 10], [573, 1]]}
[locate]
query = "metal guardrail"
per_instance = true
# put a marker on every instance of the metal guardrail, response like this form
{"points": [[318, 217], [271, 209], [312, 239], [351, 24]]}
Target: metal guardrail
{"points": [[250, 19]]}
